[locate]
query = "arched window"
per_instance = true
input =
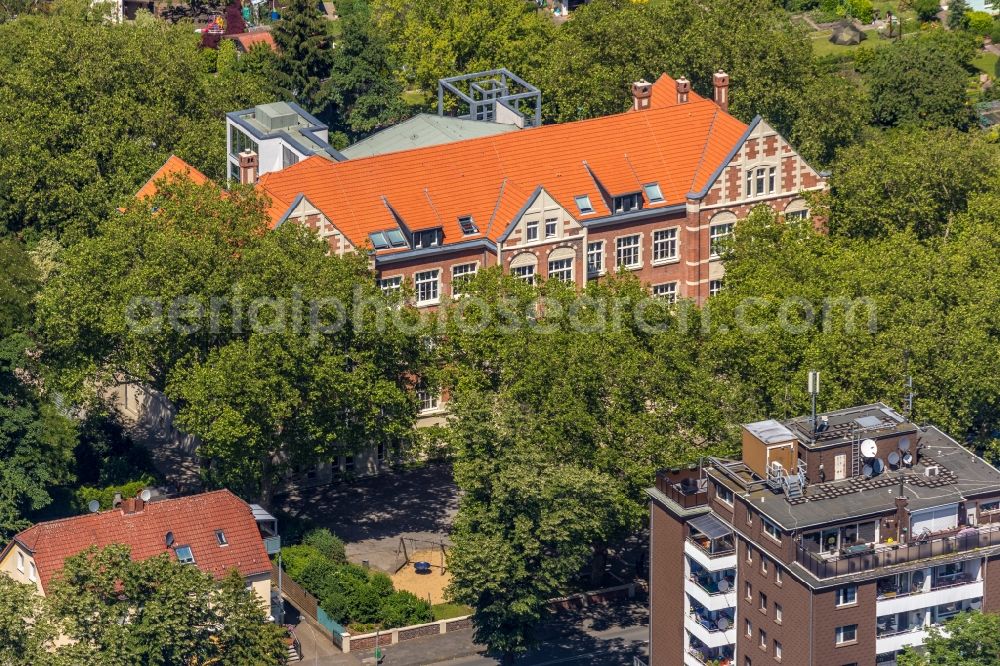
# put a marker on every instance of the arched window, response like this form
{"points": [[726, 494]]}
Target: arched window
{"points": [[797, 210], [525, 267]]}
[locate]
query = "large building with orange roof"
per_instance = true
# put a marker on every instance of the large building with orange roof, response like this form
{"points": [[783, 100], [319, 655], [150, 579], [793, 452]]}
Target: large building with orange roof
{"points": [[651, 191]]}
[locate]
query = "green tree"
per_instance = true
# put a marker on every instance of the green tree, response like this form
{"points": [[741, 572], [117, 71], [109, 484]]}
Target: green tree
{"points": [[972, 639], [435, 39], [909, 179], [958, 15], [156, 612], [25, 632], [36, 440], [831, 114], [302, 35], [610, 43], [927, 10], [192, 294], [90, 108], [921, 80], [363, 84]]}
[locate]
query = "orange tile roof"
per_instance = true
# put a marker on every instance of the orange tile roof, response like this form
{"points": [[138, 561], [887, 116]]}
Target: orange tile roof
{"points": [[677, 145], [193, 520], [665, 93], [172, 167], [247, 40]]}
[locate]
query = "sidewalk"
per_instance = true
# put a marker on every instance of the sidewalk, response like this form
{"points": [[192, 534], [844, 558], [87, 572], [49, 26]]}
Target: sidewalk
{"points": [[430, 650]]}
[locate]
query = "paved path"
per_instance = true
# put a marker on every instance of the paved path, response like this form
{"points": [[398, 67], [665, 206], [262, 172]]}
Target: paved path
{"points": [[372, 513]]}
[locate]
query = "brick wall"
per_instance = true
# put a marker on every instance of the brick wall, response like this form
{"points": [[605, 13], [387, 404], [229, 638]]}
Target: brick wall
{"points": [[666, 588]]}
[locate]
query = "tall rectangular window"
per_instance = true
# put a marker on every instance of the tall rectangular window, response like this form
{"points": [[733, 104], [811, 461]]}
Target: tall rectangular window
{"points": [[561, 269], [595, 257], [288, 157], [390, 285], [427, 400], [427, 285], [531, 231], [625, 203], [760, 181], [665, 245], [526, 273], [771, 173], [551, 227], [847, 595], [667, 291], [240, 141], [717, 234], [627, 251], [460, 275]]}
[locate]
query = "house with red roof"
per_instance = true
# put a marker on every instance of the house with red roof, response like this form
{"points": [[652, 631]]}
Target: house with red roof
{"points": [[215, 531], [652, 191]]}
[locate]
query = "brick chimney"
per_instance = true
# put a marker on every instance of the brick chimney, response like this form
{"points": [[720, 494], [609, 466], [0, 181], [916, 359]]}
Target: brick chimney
{"points": [[721, 82], [248, 167], [642, 93], [683, 88], [132, 505]]}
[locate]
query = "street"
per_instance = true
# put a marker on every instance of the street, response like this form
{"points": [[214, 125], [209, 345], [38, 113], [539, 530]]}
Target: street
{"points": [[614, 647]]}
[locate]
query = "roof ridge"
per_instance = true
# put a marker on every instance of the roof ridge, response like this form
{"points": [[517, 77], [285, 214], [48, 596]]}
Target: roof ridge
{"points": [[704, 150]]}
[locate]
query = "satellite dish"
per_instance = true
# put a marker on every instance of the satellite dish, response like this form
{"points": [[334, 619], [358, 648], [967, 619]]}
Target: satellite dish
{"points": [[723, 623], [145, 494], [169, 539], [869, 449], [904, 444], [893, 459], [94, 506], [723, 585], [867, 471], [907, 459], [878, 466]]}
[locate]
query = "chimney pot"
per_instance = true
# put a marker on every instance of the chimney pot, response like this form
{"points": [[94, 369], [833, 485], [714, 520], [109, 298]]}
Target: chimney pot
{"points": [[249, 167], [683, 89], [642, 93], [117, 500], [132, 505], [721, 82]]}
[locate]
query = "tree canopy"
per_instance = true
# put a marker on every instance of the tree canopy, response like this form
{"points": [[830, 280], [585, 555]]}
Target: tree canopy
{"points": [[972, 639], [305, 54], [90, 109]]}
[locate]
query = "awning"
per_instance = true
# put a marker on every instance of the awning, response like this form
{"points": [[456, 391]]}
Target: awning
{"points": [[710, 526]]}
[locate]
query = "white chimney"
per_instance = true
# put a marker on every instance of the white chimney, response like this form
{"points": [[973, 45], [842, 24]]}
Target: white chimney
{"points": [[683, 88]]}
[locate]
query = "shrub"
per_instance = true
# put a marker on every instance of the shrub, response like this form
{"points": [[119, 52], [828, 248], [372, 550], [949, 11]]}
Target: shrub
{"points": [[404, 608], [926, 10], [327, 543], [980, 23], [863, 10], [106, 496]]}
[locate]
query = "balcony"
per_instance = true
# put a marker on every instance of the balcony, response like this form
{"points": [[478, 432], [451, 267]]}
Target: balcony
{"points": [[712, 629], [683, 487], [713, 590], [699, 654], [878, 556]]}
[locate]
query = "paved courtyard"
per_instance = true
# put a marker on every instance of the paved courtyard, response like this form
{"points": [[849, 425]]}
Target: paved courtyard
{"points": [[372, 514]]}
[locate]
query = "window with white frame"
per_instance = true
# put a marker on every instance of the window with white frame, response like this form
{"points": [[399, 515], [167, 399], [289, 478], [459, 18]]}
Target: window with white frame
{"points": [[184, 554], [665, 245], [714, 287], [777, 650], [460, 275], [526, 273], [763, 639], [595, 257], [847, 595], [427, 400], [761, 181], [584, 205], [797, 215], [653, 192], [846, 634], [724, 494], [531, 231], [626, 203], [391, 285], [717, 234], [288, 157], [628, 251], [427, 285], [778, 613], [667, 291], [20, 562], [551, 227], [772, 530], [561, 269]]}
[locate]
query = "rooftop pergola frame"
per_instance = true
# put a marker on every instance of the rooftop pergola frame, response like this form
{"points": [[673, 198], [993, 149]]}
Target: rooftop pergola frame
{"points": [[480, 92]]}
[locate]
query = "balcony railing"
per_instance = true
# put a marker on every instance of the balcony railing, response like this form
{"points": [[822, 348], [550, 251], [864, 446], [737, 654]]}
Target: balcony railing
{"points": [[886, 556], [718, 549], [711, 586]]}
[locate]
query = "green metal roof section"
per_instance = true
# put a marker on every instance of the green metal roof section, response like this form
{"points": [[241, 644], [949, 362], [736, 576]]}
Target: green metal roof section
{"points": [[421, 131]]}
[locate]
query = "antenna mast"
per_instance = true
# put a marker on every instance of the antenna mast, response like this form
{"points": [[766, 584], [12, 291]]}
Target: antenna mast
{"points": [[813, 392], [908, 385]]}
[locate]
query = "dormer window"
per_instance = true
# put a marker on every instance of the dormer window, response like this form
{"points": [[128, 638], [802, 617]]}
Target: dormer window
{"points": [[653, 193], [626, 203], [428, 238], [468, 225], [583, 203]]}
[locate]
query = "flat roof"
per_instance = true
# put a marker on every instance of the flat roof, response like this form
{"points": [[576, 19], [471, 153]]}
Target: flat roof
{"points": [[770, 431], [962, 474], [292, 122], [423, 130], [841, 426]]}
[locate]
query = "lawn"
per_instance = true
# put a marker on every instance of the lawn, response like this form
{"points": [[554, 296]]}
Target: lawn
{"points": [[987, 62], [822, 46], [448, 611]]}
